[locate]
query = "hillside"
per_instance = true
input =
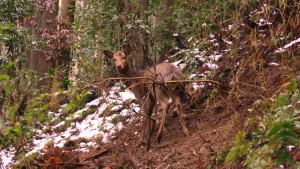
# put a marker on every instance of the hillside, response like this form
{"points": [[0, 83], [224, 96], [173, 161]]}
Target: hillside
{"points": [[250, 120]]}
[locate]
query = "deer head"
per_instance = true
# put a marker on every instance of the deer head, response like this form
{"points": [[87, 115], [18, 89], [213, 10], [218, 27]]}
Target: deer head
{"points": [[120, 58]]}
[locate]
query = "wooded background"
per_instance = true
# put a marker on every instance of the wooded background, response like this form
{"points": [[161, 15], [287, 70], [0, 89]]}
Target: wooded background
{"points": [[51, 50]]}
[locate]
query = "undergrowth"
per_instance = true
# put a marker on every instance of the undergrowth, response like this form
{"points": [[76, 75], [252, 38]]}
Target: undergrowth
{"points": [[271, 143]]}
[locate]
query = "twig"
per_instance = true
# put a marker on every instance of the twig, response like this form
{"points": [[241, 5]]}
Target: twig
{"points": [[253, 85], [151, 81]]}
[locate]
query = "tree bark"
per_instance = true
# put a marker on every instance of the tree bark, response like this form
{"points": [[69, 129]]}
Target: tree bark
{"points": [[166, 48], [138, 39], [34, 54], [61, 64], [38, 62]]}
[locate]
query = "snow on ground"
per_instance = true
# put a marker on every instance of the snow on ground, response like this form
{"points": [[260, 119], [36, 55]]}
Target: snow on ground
{"points": [[7, 156], [280, 50], [91, 128]]}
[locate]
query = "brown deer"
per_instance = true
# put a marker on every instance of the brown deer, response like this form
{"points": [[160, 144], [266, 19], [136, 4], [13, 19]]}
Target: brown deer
{"points": [[148, 92]]}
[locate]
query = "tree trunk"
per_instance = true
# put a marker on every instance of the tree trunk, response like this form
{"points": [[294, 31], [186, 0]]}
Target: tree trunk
{"points": [[61, 64], [38, 61], [34, 54], [138, 40], [165, 48]]}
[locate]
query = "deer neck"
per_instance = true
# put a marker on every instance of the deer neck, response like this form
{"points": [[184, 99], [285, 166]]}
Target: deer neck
{"points": [[128, 71], [132, 83]]}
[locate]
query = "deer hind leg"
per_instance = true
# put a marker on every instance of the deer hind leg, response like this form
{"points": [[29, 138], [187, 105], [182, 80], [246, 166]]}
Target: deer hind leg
{"points": [[163, 100], [180, 115]]}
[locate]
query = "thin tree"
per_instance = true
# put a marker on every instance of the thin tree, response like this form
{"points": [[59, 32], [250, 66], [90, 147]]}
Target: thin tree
{"points": [[62, 63]]}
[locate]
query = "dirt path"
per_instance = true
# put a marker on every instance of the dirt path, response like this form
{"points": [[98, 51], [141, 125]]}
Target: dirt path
{"points": [[209, 134]]}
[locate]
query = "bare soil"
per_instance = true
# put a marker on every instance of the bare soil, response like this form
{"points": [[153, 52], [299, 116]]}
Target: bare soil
{"points": [[213, 125]]}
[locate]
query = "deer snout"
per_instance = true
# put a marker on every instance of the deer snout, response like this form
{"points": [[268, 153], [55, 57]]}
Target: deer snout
{"points": [[119, 67]]}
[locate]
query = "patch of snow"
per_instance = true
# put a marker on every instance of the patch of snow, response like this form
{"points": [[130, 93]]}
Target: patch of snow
{"points": [[197, 86], [179, 52], [6, 157], [290, 147], [116, 108], [201, 56], [212, 40], [273, 64], [211, 65], [94, 102], [228, 42], [196, 50], [215, 57], [292, 43], [177, 63], [127, 95], [280, 50], [211, 35], [193, 75], [89, 128], [263, 22]]}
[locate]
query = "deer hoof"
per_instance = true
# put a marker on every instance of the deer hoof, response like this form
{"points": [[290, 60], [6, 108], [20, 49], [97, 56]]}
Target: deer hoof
{"points": [[141, 143], [158, 138], [187, 133]]}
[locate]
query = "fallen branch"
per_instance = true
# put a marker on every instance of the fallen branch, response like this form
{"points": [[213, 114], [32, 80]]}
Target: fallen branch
{"points": [[151, 81]]}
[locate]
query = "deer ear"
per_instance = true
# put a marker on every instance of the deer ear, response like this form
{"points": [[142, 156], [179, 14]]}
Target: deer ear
{"points": [[126, 49], [108, 54]]}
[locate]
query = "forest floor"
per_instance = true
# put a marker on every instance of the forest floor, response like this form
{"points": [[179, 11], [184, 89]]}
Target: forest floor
{"points": [[212, 124]]}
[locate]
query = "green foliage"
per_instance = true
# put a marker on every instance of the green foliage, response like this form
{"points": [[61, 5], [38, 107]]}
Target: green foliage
{"points": [[14, 134], [219, 157], [21, 104], [117, 119], [276, 131], [26, 161], [109, 24], [11, 10], [239, 150], [77, 102]]}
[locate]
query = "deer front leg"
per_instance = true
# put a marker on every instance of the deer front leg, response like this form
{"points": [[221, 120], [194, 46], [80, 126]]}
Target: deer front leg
{"points": [[144, 130], [148, 122]]}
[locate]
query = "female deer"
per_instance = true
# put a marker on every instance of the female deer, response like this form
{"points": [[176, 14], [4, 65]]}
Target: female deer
{"points": [[148, 93]]}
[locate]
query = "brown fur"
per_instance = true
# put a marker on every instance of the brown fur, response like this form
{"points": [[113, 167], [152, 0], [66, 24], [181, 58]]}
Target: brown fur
{"points": [[144, 90]]}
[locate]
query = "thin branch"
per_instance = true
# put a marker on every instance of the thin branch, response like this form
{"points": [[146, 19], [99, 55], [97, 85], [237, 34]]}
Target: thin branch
{"points": [[151, 81]]}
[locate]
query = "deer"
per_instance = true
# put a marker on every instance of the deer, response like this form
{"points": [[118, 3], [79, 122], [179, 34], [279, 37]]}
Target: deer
{"points": [[148, 92]]}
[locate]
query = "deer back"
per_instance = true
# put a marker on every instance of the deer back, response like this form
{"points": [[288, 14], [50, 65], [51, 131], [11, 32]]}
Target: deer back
{"points": [[161, 73]]}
